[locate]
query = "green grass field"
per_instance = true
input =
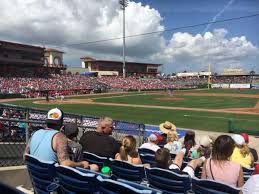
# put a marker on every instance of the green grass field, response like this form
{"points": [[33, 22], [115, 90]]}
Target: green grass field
{"points": [[182, 118]]}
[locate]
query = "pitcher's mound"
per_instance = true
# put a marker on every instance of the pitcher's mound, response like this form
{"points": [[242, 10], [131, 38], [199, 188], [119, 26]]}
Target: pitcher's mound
{"points": [[170, 98], [67, 101]]}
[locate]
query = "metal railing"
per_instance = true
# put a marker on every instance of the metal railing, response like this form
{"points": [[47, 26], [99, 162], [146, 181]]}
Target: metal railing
{"points": [[18, 123]]}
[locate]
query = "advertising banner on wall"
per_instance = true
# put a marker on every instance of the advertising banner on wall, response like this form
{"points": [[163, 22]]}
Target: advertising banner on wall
{"points": [[239, 86], [255, 86], [224, 85], [215, 85]]}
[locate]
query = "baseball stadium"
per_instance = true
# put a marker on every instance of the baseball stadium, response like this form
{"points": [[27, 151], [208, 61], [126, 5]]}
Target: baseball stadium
{"points": [[80, 117]]}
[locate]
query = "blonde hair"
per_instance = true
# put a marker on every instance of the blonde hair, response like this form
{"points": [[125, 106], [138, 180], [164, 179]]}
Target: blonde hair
{"points": [[128, 146], [244, 149], [103, 121], [172, 136]]}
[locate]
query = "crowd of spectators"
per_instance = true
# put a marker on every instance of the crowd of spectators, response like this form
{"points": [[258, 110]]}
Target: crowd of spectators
{"points": [[79, 84]]}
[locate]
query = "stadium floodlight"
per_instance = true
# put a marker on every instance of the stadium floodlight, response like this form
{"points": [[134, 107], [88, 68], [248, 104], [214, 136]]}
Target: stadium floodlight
{"points": [[124, 4]]}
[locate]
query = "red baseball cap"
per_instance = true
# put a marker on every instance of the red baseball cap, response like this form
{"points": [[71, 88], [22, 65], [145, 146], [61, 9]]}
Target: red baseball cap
{"points": [[159, 137], [256, 171], [245, 136]]}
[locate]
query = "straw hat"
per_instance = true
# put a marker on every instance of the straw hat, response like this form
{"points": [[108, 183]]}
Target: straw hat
{"points": [[167, 127]]}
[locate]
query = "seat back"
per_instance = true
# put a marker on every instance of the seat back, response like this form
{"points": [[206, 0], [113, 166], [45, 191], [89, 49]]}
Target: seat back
{"points": [[4, 188], [125, 170], [83, 170], [42, 174], [145, 151], [168, 181], [95, 159], [109, 186], [72, 180], [247, 173], [148, 159], [201, 186]]}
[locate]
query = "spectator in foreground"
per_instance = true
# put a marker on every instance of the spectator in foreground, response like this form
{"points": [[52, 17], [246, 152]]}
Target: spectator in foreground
{"points": [[128, 150], [163, 160], [252, 150], [219, 168], [241, 153], [189, 143], [153, 140], [50, 145], [252, 184], [173, 145], [100, 142], [70, 130]]}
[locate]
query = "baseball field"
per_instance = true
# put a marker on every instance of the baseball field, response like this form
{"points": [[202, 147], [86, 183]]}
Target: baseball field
{"points": [[208, 110]]}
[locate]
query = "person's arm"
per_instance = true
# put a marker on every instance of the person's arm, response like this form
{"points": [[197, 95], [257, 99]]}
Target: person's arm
{"points": [[27, 149], [60, 143], [240, 181], [203, 173]]}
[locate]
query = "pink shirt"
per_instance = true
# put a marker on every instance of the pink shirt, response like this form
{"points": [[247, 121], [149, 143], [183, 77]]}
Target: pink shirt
{"points": [[227, 172]]}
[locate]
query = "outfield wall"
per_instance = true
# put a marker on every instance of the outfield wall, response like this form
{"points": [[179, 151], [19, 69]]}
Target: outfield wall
{"points": [[233, 86]]}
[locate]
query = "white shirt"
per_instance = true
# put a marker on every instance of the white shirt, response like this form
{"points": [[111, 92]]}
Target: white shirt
{"points": [[150, 146], [173, 147], [252, 185]]}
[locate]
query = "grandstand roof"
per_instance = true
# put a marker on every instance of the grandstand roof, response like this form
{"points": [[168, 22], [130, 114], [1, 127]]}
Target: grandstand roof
{"points": [[2, 42], [109, 61], [53, 50]]}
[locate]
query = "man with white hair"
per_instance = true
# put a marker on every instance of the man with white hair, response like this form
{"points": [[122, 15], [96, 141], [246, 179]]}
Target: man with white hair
{"points": [[153, 140], [100, 142]]}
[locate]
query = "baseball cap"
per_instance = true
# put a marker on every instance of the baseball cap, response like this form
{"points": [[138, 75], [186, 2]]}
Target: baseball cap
{"points": [[55, 116], [239, 140], [152, 137], [70, 130], [205, 141], [245, 136]]}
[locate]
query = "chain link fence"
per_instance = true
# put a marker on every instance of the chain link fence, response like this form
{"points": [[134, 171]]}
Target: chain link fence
{"points": [[18, 123]]}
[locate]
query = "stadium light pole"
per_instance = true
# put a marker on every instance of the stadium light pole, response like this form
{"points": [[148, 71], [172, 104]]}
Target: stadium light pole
{"points": [[124, 4]]}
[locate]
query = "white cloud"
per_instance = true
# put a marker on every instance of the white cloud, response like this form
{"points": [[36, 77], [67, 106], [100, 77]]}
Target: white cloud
{"points": [[195, 52], [55, 23]]}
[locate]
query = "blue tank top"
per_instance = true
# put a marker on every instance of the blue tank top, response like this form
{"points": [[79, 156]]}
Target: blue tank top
{"points": [[41, 145]]}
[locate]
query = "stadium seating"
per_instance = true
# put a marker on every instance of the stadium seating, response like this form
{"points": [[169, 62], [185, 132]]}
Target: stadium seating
{"points": [[168, 181], [147, 159], [72, 180], [84, 170], [247, 173], [145, 151], [4, 188], [95, 159], [108, 186], [201, 186], [125, 170], [43, 175]]}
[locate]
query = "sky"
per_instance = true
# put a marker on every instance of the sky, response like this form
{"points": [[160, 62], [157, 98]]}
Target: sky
{"points": [[69, 25]]}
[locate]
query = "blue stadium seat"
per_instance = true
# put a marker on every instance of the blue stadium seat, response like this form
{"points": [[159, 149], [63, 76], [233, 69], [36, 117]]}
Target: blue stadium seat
{"points": [[201, 186], [43, 175], [168, 181], [95, 159], [84, 170], [139, 186], [148, 159], [146, 151], [109, 186], [247, 173], [73, 181], [125, 170], [4, 188]]}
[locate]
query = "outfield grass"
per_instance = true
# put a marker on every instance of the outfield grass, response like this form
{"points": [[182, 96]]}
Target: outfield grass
{"points": [[186, 119], [208, 102], [213, 90]]}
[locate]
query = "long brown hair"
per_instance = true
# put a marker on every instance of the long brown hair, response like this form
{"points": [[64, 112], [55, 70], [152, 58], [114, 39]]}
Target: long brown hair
{"points": [[128, 147], [223, 148]]}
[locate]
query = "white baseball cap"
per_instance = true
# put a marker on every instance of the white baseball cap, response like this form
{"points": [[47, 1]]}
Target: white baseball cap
{"points": [[55, 116], [239, 139]]}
